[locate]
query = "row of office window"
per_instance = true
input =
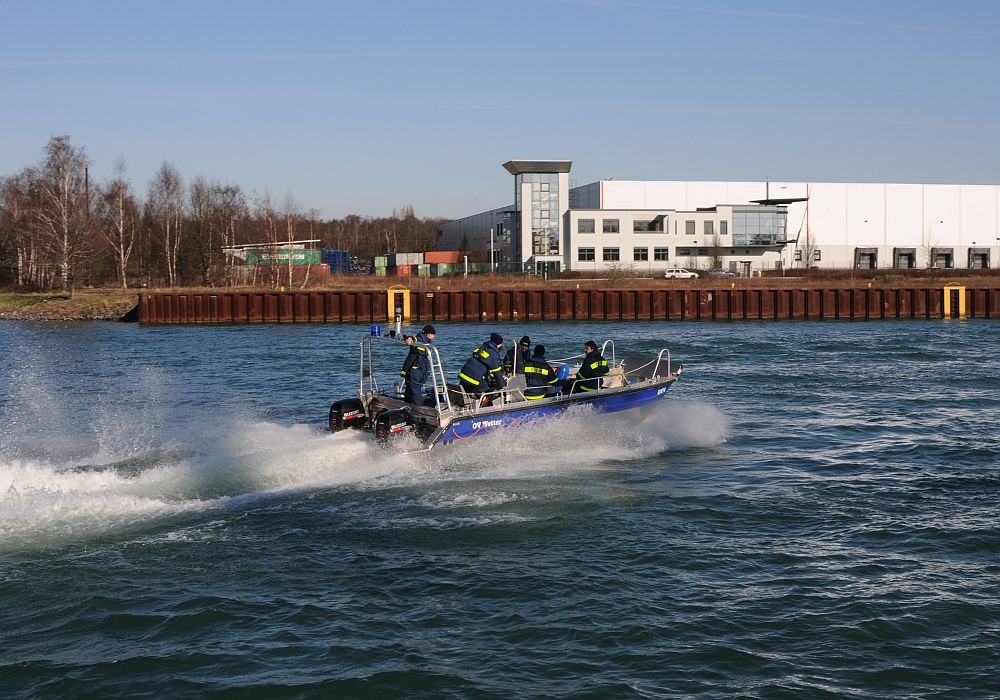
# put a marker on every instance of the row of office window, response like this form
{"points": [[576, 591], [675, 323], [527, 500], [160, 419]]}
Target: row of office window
{"points": [[649, 226], [614, 254]]}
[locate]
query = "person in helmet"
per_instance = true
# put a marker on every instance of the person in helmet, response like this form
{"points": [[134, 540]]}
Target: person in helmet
{"points": [[539, 375], [417, 368], [513, 362], [484, 370], [594, 367]]}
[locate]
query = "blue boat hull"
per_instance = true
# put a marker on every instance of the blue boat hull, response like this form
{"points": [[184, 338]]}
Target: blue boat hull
{"points": [[466, 428]]}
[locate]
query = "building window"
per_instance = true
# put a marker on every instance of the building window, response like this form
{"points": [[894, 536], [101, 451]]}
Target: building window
{"points": [[689, 228], [647, 226], [585, 226], [709, 228], [610, 226], [798, 255], [611, 255], [816, 256], [544, 214], [640, 254], [661, 253], [723, 228], [585, 254], [545, 187]]}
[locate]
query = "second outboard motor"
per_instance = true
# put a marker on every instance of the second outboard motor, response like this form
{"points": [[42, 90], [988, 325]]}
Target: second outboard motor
{"points": [[390, 424], [347, 413]]}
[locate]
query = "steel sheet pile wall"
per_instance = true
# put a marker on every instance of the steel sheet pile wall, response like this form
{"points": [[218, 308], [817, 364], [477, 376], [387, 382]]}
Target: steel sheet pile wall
{"points": [[557, 305]]}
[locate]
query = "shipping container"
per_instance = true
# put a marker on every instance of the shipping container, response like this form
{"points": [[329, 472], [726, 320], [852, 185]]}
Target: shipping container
{"points": [[404, 270], [282, 256], [443, 256]]}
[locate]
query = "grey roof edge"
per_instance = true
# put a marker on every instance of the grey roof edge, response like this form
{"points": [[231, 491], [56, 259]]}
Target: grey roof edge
{"points": [[519, 167]]}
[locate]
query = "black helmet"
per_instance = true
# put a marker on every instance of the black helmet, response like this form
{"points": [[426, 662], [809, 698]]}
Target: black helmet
{"points": [[496, 339], [539, 350], [429, 330]]}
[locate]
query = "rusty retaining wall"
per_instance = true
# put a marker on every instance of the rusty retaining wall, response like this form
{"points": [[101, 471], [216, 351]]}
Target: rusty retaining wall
{"points": [[569, 304]]}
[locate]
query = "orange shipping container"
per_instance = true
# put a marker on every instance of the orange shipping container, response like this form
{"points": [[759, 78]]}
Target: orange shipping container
{"points": [[404, 270], [443, 256]]}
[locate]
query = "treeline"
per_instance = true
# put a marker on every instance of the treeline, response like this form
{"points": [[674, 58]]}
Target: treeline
{"points": [[60, 230]]}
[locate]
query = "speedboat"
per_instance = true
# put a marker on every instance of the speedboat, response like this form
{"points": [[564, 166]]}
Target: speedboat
{"points": [[450, 415]]}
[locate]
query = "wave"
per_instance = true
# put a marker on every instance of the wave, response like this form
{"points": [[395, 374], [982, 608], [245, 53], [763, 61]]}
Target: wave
{"points": [[50, 500]]}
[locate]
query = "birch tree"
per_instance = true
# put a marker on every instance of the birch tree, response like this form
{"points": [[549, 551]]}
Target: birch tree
{"points": [[165, 206], [118, 217], [63, 207]]}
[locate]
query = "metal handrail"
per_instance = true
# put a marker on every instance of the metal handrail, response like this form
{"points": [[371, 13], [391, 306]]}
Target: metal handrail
{"points": [[659, 358], [604, 348]]}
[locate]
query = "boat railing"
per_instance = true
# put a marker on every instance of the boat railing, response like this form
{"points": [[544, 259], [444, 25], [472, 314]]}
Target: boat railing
{"points": [[659, 359], [604, 350], [438, 383]]}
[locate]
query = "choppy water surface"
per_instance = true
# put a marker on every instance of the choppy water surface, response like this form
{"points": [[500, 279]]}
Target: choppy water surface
{"points": [[814, 512]]}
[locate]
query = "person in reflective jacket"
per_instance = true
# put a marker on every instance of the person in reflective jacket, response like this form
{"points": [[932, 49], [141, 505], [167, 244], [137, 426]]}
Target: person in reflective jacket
{"points": [[539, 375], [522, 352], [484, 370], [593, 368], [417, 367]]}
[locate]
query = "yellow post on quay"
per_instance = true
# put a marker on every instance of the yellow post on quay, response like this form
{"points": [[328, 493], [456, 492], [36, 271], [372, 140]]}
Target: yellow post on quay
{"points": [[398, 298], [947, 300]]}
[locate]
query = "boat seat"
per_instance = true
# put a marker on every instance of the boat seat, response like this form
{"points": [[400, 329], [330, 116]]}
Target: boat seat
{"points": [[515, 387], [457, 396]]}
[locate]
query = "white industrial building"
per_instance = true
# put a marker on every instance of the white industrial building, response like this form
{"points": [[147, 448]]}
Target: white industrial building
{"points": [[739, 226]]}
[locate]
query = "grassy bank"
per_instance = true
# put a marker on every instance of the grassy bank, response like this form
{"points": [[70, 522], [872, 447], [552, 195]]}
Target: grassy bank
{"points": [[97, 305]]}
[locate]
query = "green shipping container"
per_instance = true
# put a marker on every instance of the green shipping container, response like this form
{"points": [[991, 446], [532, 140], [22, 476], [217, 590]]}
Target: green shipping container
{"points": [[281, 257], [423, 270], [380, 272]]}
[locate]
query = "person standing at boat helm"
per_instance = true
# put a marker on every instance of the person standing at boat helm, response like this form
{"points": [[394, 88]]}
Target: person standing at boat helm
{"points": [[417, 367], [484, 370], [593, 368], [514, 361], [539, 375]]}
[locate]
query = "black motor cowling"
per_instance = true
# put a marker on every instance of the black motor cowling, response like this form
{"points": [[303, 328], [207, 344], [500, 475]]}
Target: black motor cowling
{"points": [[391, 424], [347, 413]]}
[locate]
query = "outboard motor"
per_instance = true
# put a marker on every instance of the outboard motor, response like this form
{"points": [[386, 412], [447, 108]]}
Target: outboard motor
{"points": [[390, 424], [347, 413], [562, 374]]}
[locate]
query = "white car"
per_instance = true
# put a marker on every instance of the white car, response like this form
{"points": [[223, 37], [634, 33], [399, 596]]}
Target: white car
{"points": [[679, 273]]}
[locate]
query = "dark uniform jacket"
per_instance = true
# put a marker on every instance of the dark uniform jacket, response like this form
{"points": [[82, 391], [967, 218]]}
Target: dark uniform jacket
{"points": [[593, 368], [417, 367], [508, 360], [539, 376], [483, 369]]}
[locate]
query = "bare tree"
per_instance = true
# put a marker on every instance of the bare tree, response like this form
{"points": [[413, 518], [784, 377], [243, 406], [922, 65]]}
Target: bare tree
{"points": [[716, 252], [18, 228], [165, 206], [63, 207], [118, 216]]}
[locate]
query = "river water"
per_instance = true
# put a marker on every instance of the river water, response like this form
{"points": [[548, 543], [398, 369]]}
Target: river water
{"points": [[813, 512]]}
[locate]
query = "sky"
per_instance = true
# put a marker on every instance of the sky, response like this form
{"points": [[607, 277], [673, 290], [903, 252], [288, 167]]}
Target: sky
{"points": [[369, 107]]}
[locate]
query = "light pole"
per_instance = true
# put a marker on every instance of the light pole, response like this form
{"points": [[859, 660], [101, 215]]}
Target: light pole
{"points": [[492, 266]]}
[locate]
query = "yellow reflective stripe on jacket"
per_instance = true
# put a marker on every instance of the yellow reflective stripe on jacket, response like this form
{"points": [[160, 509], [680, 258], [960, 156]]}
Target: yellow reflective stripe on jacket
{"points": [[595, 365], [586, 388], [535, 370], [467, 378], [534, 398], [498, 369]]}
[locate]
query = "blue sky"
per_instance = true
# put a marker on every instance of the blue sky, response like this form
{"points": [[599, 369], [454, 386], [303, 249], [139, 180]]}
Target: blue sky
{"points": [[369, 107]]}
